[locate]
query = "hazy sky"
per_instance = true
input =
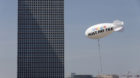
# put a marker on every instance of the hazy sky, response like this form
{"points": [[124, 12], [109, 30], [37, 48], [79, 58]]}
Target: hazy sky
{"points": [[120, 50]]}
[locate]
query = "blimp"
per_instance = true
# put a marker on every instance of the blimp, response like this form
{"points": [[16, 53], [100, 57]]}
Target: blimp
{"points": [[103, 29]]}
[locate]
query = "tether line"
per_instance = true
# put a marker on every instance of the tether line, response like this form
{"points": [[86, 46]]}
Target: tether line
{"points": [[100, 56]]}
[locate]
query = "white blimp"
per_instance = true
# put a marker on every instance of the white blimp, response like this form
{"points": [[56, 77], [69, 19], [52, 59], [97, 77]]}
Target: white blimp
{"points": [[103, 29]]}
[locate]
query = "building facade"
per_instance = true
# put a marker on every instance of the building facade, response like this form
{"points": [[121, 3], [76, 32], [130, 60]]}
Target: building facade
{"points": [[40, 39]]}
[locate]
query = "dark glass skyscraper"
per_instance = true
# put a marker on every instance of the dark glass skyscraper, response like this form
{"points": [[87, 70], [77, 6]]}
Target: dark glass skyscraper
{"points": [[40, 39]]}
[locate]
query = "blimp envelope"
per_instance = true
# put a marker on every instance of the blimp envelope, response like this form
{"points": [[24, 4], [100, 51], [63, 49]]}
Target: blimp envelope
{"points": [[103, 29]]}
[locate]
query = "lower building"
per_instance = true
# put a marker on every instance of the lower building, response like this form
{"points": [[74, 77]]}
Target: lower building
{"points": [[73, 75], [107, 76]]}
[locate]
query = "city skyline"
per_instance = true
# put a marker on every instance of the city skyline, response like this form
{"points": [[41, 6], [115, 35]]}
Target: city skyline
{"points": [[120, 51]]}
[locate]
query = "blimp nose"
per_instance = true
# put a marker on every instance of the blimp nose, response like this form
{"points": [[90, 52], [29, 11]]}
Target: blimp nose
{"points": [[86, 33]]}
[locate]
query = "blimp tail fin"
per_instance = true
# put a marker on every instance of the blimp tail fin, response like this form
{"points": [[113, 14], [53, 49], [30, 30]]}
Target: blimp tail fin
{"points": [[119, 29], [118, 25]]}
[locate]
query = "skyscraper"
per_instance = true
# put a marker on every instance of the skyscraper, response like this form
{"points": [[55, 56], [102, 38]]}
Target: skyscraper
{"points": [[40, 39]]}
